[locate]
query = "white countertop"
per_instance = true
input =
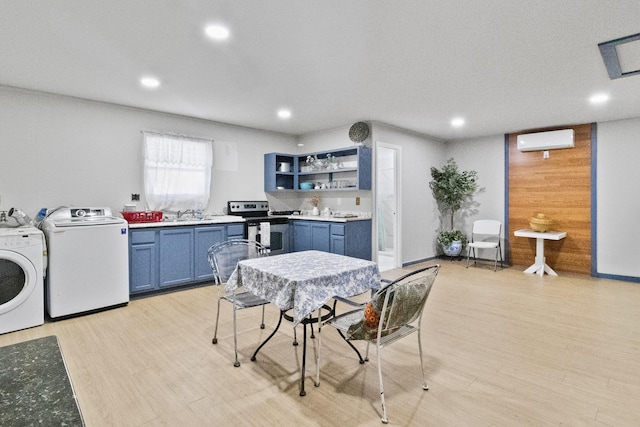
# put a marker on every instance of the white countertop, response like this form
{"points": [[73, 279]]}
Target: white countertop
{"points": [[328, 218], [224, 219], [217, 219]]}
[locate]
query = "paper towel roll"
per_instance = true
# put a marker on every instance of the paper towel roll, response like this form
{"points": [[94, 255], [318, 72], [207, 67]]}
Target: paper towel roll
{"points": [[265, 234]]}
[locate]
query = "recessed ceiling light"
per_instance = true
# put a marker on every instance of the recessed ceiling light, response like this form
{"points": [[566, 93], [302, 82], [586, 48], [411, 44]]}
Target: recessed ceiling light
{"points": [[217, 32], [599, 98], [284, 113], [150, 82], [457, 122]]}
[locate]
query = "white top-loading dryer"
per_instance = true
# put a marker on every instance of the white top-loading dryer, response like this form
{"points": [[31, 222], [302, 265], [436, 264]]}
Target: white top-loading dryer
{"points": [[88, 260]]}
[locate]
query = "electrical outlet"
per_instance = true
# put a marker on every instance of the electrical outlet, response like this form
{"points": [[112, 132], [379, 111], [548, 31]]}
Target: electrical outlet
{"points": [[545, 154], [357, 201], [135, 197]]}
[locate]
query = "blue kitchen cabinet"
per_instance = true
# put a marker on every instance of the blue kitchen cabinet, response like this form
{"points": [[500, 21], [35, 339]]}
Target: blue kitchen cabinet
{"points": [[143, 260], [234, 231], [162, 257], [352, 238], [334, 170], [205, 238], [176, 256], [310, 235], [337, 239], [276, 176], [320, 236], [356, 240], [300, 235]]}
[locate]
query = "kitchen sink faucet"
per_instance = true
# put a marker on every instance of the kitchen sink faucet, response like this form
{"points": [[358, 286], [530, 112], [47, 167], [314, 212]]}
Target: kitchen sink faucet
{"points": [[188, 211]]}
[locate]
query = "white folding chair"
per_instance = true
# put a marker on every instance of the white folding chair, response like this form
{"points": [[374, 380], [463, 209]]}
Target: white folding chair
{"points": [[485, 235]]}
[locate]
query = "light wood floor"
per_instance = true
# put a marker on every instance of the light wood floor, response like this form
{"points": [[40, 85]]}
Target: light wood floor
{"points": [[501, 349]]}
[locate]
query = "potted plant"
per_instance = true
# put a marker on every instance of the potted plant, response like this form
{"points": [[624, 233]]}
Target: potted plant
{"points": [[451, 188]]}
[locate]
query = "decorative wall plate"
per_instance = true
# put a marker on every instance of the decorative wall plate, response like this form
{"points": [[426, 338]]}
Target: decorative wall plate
{"points": [[359, 132]]}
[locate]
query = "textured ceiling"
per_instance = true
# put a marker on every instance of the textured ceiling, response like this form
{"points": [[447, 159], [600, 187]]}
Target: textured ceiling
{"points": [[502, 65]]}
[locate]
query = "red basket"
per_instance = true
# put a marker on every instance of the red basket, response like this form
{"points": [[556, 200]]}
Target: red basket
{"points": [[142, 216]]}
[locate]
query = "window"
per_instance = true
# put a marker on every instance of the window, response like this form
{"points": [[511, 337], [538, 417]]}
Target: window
{"points": [[177, 171]]}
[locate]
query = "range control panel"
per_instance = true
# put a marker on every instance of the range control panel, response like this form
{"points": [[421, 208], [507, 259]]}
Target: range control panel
{"points": [[247, 208]]}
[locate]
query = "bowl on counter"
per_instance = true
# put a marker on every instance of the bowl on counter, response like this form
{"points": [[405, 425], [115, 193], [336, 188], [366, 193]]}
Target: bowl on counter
{"points": [[306, 185]]}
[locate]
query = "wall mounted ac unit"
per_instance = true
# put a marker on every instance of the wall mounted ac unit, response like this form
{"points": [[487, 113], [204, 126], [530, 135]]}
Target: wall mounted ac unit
{"points": [[546, 140]]}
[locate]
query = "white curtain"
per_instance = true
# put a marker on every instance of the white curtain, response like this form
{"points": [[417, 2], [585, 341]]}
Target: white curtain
{"points": [[177, 171]]}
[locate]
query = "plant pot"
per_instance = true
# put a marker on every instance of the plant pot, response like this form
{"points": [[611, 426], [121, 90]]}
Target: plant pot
{"points": [[453, 249]]}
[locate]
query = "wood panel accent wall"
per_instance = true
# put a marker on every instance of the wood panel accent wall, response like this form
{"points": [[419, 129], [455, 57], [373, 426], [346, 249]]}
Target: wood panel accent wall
{"points": [[559, 187]]}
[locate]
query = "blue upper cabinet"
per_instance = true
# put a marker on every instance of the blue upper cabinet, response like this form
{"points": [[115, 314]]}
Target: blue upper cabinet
{"points": [[279, 172], [335, 170]]}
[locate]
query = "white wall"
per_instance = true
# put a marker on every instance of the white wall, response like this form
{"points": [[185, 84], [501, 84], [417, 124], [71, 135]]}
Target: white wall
{"points": [[618, 194], [344, 200], [327, 140], [618, 189], [419, 213], [486, 156], [65, 151]]}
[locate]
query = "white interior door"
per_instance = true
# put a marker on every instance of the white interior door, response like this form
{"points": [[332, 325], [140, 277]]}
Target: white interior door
{"points": [[387, 206]]}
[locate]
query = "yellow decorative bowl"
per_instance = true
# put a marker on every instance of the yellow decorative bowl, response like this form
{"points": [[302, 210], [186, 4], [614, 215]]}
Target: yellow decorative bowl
{"points": [[540, 223]]}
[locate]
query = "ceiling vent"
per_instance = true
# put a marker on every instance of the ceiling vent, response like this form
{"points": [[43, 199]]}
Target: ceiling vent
{"points": [[621, 56], [546, 140]]}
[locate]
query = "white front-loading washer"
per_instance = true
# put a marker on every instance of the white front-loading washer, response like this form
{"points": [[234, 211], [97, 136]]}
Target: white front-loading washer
{"points": [[22, 266]]}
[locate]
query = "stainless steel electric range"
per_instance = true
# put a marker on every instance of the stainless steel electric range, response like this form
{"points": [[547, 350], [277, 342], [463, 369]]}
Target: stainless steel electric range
{"points": [[269, 228]]}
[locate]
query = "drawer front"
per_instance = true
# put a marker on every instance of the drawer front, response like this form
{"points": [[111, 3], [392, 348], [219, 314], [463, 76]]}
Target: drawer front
{"points": [[337, 229], [235, 230], [140, 237]]}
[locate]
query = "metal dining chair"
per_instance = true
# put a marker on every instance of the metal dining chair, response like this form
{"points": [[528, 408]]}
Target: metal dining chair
{"points": [[223, 258], [394, 312]]}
